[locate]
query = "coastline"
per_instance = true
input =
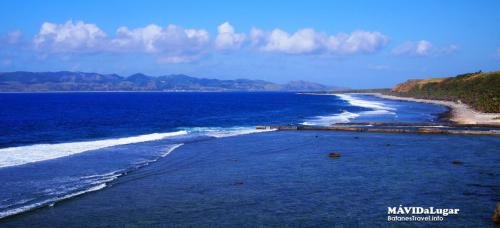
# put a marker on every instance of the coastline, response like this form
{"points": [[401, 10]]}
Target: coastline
{"points": [[460, 113]]}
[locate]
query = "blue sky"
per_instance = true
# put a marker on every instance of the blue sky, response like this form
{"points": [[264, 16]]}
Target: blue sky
{"points": [[359, 44]]}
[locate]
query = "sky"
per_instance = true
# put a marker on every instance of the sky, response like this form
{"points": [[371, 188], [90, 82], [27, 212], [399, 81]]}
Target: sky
{"points": [[357, 44]]}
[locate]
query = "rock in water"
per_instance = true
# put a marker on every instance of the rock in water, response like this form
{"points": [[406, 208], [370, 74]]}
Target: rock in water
{"points": [[457, 162], [334, 155], [496, 214]]}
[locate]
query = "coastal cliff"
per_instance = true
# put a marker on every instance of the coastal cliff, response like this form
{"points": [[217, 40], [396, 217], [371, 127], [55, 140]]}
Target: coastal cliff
{"points": [[479, 90]]}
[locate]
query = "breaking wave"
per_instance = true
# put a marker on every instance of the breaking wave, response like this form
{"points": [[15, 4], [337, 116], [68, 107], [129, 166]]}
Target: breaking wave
{"points": [[75, 186], [378, 108], [355, 101], [49, 201], [343, 117], [222, 132], [20, 155]]}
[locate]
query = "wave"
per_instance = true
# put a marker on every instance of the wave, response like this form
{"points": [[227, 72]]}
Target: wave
{"points": [[343, 117], [354, 101], [50, 201], [73, 187], [378, 108], [222, 132], [90, 183], [171, 148], [13, 156]]}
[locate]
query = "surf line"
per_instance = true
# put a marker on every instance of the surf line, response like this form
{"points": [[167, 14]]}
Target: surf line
{"points": [[13, 156]]}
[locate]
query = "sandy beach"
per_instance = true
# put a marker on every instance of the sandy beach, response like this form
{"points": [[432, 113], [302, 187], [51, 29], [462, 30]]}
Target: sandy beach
{"points": [[460, 113]]}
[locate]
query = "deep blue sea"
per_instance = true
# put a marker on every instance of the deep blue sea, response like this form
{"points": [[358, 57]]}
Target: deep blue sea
{"points": [[195, 159]]}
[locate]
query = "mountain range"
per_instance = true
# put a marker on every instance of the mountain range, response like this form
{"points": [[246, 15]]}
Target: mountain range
{"points": [[22, 81]]}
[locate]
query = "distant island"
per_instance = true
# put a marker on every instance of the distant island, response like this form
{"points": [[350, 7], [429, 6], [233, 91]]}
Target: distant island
{"points": [[22, 81]]}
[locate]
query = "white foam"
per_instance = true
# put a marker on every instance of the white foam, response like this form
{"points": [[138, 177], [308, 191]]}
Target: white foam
{"points": [[13, 156], [220, 132], [98, 182], [377, 112], [378, 108], [22, 201], [343, 117], [101, 175], [50, 201], [171, 148], [104, 179], [364, 103]]}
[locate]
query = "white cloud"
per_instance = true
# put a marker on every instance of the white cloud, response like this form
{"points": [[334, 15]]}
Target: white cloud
{"points": [[155, 39], [69, 37], [307, 41], [302, 41], [423, 48], [169, 44], [356, 42], [257, 37], [411, 48], [174, 44], [227, 39]]}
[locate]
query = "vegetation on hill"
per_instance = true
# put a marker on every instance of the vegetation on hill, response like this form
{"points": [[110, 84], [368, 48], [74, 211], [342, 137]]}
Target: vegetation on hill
{"points": [[479, 90]]}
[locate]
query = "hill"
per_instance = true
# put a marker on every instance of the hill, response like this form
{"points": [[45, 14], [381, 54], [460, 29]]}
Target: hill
{"points": [[22, 81], [479, 90]]}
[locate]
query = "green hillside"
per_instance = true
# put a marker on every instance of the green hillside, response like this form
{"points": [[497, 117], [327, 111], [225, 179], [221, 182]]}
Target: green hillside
{"points": [[479, 90]]}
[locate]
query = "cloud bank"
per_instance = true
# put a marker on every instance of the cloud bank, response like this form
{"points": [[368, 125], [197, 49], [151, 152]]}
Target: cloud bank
{"points": [[170, 44], [308, 41], [175, 44]]}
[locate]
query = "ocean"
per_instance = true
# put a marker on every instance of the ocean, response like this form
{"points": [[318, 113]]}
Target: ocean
{"points": [[196, 159]]}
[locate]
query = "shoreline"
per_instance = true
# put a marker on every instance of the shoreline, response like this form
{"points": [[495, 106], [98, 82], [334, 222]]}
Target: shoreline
{"points": [[459, 113]]}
